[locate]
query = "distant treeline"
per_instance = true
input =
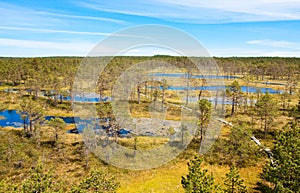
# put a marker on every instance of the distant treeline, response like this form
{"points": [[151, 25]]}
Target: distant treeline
{"points": [[57, 73]]}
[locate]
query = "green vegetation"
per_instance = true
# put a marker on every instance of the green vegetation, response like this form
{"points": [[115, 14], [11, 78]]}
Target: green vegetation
{"points": [[31, 110], [204, 116], [285, 175], [42, 157], [267, 110], [233, 183], [236, 148], [96, 182], [58, 124], [142, 142], [198, 179], [234, 91], [38, 181]]}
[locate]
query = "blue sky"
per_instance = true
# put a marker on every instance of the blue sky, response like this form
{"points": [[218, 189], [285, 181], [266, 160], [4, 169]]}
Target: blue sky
{"points": [[224, 27]]}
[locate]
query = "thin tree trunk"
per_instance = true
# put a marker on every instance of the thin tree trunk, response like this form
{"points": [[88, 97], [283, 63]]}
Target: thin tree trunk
{"points": [[187, 91], [30, 126], [163, 100], [56, 135], [265, 129], [139, 94], [199, 95], [55, 99], [146, 89], [36, 94], [233, 105]]}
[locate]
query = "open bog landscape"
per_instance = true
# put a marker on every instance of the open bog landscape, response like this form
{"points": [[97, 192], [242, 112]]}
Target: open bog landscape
{"points": [[39, 125], [152, 96]]}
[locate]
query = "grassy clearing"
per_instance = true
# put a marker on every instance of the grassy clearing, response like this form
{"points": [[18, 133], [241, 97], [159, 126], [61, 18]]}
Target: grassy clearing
{"points": [[167, 178], [68, 163], [164, 179], [143, 142]]}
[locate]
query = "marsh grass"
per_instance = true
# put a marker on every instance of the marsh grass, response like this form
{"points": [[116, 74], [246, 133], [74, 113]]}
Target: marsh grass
{"points": [[143, 142]]}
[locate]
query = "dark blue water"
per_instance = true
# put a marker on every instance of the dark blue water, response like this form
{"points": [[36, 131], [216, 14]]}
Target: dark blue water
{"points": [[249, 89], [78, 98], [196, 76], [13, 119], [10, 118], [260, 89], [86, 97]]}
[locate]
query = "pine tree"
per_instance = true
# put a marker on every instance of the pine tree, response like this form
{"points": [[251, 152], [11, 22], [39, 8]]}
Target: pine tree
{"points": [[32, 111], [237, 148], [204, 116], [285, 175], [295, 112], [96, 182], [198, 180], [233, 182], [234, 91], [58, 124], [266, 109], [38, 181]]}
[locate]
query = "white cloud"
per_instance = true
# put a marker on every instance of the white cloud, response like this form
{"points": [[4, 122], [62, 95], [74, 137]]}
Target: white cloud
{"points": [[246, 52], [64, 31], [11, 14], [204, 11], [228, 52], [81, 17], [258, 7], [149, 51], [261, 9], [275, 43], [30, 48], [53, 31], [42, 47], [283, 53], [15, 15]]}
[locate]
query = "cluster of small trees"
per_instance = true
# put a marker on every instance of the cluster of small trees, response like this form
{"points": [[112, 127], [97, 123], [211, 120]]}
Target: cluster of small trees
{"points": [[31, 75], [261, 68], [41, 180], [33, 114], [266, 107], [56, 76], [283, 173], [199, 180], [236, 148]]}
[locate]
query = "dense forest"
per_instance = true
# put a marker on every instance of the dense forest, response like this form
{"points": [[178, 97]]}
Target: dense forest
{"points": [[44, 156]]}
